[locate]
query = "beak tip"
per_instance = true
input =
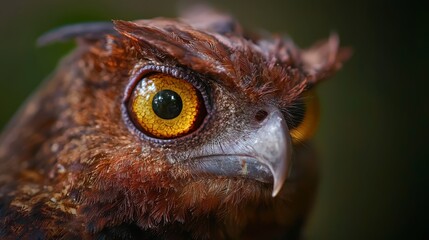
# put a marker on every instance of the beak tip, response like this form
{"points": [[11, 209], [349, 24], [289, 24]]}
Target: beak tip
{"points": [[277, 186], [274, 194]]}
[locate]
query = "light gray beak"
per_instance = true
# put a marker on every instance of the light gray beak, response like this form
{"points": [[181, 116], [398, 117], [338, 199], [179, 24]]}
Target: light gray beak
{"points": [[262, 153]]}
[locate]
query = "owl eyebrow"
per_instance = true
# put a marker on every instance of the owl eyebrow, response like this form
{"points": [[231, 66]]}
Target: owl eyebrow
{"points": [[89, 31]]}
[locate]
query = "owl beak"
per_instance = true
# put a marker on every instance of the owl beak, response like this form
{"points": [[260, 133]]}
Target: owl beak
{"points": [[272, 146], [261, 153]]}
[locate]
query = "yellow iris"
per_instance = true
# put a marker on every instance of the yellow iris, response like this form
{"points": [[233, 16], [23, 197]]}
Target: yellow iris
{"points": [[165, 106], [306, 129]]}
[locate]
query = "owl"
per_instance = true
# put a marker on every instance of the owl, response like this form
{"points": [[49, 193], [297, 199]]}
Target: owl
{"points": [[187, 128]]}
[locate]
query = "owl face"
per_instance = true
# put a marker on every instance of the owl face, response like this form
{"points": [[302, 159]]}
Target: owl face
{"points": [[226, 101], [222, 118]]}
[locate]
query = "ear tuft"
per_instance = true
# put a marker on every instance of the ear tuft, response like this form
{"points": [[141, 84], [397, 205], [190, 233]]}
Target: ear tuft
{"points": [[324, 58], [126, 28], [86, 31]]}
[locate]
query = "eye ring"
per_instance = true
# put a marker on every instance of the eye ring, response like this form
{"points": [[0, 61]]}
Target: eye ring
{"points": [[175, 72]]}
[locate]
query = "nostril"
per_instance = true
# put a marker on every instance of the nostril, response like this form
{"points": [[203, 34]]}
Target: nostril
{"points": [[261, 115]]}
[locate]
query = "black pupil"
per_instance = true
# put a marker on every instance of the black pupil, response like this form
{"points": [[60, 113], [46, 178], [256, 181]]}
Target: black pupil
{"points": [[167, 104]]}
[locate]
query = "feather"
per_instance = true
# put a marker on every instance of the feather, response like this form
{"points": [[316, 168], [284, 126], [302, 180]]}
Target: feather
{"points": [[74, 164], [88, 31]]}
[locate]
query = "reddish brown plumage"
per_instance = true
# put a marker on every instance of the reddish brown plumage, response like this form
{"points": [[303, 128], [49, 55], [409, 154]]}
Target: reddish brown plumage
{"points": [[71, 167]]}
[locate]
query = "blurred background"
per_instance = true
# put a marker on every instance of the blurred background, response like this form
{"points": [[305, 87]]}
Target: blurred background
{"points": [[372, 133]]}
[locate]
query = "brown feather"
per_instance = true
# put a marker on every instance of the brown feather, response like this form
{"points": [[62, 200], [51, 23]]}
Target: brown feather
{"points": [[70, 167]]}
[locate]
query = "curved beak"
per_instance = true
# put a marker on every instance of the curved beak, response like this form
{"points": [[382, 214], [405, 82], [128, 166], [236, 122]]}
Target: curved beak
{"points": [[272, 145], [262, 153]]}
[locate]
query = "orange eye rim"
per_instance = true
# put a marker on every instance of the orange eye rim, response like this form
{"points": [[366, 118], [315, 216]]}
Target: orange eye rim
{"points": [[173, 72]]}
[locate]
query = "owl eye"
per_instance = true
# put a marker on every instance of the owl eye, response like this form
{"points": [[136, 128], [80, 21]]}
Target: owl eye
{"points": [[304, 117], [165, 107]]}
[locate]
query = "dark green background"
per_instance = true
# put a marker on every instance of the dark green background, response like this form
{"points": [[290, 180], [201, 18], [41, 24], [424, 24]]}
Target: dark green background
{"points": [[372, 133]]}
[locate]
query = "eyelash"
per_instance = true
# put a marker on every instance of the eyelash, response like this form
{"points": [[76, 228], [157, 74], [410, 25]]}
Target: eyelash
{"points": [[302, 117], [295, 114]]}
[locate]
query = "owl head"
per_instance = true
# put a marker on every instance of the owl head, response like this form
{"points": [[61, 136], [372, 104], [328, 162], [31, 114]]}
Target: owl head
{"points": [[167, 122]]}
